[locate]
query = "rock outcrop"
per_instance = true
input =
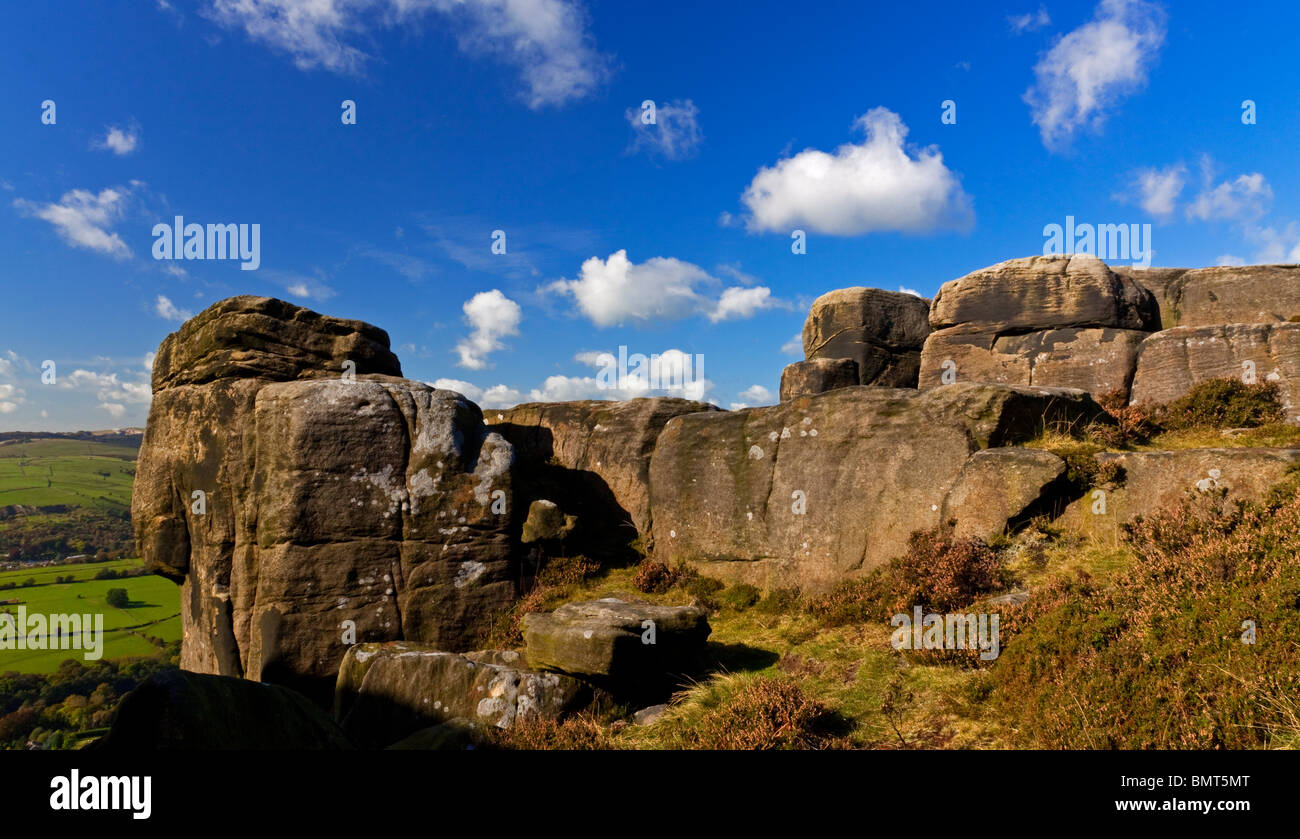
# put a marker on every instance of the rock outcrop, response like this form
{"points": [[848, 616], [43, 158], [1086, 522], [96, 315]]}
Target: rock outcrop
{"points": [[386, 692], [1051, 321], [1151, 481], [880, 331], [632, 649], [809, 378], [194, 711], [304, 505], [593, 458], [1172, 362], [1222, 294], [998, 487], [812, 491]]}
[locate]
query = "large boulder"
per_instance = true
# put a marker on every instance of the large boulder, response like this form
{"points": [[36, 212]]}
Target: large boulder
{"points": [[593, 457], [1172, 362], [999, 487], [1049, 321], [1096, 360], [1043, 292], [299, 513], [1223, 294], [388, 691], [881, 331], [194, 711], [631, 648], [812, 491], [250, 337], [1151, 481], [818, 375]]}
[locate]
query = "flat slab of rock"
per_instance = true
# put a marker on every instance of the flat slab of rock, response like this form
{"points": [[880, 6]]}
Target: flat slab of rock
{"points": [[1096, 360], [386, 692], [809, 492], [818, 375], [881, 331], [250, 337], [623, 644], [1172, 362], [197, 711], [1224, 294], [997, 486], [1044, 292], [1160, 480]]}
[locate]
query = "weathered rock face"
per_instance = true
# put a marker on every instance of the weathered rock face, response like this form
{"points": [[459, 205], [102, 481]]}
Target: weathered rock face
{"points": [[1043, 292], [249, 337], [809, 378], [1172, 362], [388, 691], [1159, 480], [1049, 321], [881, 331], [635, 649], [814, 490], [1096, 360], [287, 508], [1225, 294], [593, 457], [194, 711], [998, 486]]}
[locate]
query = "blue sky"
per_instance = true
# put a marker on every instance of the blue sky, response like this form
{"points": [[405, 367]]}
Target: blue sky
{"points": [[525, 116]]}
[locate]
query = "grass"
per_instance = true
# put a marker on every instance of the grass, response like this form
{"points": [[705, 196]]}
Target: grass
{"points": [[76, 473], [845, 668], [153, 611]]}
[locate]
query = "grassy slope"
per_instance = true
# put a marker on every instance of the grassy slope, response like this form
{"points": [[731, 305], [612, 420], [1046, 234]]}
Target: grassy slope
{"points": [[74, 471], [154, 611]]}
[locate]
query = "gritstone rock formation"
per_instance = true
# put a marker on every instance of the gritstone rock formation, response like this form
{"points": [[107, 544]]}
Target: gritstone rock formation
{"points": [[1051, 321], [299, 491]]}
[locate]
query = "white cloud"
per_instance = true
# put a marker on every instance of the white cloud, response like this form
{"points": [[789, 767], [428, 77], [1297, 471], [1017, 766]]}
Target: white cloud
{"points": [[11, 397], [548, 41], [670, 373], [1245, 198], [616, 290], [493, 316], [1229, 259], [1029, 22], [83, 218], [872, 186], [911, 291], [1276, 246], [1090, 69], [1158, 189], [120, 141], [114, 410], [108, 387], [756, 393], [167, 310], [737, 302], [675, 133], [794, 346]]}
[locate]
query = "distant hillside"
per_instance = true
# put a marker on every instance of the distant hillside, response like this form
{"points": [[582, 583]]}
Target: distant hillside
{"points": [[66, 494], [130, 436]]}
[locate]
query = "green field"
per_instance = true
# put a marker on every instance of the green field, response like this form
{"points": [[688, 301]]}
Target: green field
{"points": [[77, 473], [154, 610]]}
